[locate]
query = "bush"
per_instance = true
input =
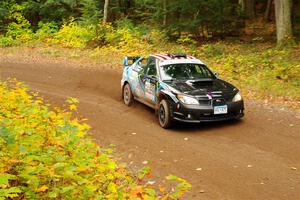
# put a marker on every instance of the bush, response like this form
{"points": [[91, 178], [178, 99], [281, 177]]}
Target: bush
{"points": [[7, 41], [263, 69], [72, 35], [47, 154], [186, 39], [46, 30], [19, 29]]}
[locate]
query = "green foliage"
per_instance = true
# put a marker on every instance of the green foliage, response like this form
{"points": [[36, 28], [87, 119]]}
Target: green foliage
{"points": [[126, 38], [56, 11], [91, 12], [187, 39], [6, 190], [47, 154], [203, 19], [199, 18], [73, 35], [4, 13], [46, 30], [259, 70], [19, 29], [7, 41]]}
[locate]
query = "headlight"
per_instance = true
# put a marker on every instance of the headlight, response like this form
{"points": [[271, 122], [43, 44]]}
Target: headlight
{"points": [[187, 99], [237, 97]]}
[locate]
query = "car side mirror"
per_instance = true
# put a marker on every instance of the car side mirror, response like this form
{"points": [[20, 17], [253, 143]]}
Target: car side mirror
{"points": [[216, 74]]}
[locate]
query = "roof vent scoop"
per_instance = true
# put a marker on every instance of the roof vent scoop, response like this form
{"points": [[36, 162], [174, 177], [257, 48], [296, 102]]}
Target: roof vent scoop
{"points": [[177, 55]]}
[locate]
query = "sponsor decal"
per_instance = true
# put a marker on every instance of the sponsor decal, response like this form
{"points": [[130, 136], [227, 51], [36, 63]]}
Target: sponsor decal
{"points": [[149, 90]]}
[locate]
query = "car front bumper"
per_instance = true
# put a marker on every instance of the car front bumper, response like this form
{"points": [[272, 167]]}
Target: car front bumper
{"points": [[199, 113]]}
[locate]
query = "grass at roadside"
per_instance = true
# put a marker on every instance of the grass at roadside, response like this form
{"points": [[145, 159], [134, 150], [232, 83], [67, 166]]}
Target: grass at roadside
{"points": [[260, 70]]}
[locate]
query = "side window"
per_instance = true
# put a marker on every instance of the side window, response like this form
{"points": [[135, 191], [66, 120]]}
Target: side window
{"points": [[144, 69], [151, 68], [139, 66]]}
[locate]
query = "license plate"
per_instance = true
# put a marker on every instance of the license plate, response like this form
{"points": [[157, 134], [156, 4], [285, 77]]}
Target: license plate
{"points": [[220, 109]]}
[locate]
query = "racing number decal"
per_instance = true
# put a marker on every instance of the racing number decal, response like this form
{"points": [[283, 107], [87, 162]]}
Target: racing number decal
{"points": [[150, 90]]}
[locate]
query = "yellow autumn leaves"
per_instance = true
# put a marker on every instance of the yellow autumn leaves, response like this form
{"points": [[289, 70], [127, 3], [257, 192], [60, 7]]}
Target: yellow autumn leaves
{"points": [[46, 154]]}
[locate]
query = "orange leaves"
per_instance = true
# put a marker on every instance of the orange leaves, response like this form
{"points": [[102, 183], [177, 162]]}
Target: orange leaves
{"points": [[162, 189], [136, 192]]}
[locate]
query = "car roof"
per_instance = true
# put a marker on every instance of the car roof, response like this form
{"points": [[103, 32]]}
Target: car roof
{"points": [[168, 59]]}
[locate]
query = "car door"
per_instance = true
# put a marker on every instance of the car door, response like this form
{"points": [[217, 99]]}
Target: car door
{"points": [[137, 88], [148, 80]]}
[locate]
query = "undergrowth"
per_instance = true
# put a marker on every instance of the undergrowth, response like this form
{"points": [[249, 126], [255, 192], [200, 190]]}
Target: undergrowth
{"points": [[47, 154]]}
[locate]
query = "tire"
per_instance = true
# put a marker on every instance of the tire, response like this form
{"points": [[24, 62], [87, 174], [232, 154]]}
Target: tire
{"points": [[164, 116], [127, 95]]}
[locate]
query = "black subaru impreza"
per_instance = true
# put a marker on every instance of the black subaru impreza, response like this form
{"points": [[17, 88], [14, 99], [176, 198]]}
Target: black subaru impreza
{"points": [[180, 88]]}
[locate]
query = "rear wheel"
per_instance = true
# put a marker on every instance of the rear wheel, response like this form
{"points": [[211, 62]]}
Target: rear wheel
{"points": [[127, 95], [164, 116]]}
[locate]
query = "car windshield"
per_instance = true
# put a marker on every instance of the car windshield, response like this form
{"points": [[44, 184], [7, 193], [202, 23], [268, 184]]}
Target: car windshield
{"points": [[187, 71]]}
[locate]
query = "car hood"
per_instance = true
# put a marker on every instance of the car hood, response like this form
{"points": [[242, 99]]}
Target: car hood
{"points": [[204, 87]]}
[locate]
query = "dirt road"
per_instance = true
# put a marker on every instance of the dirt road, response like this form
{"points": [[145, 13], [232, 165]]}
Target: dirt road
{"points": [[257, 158]]}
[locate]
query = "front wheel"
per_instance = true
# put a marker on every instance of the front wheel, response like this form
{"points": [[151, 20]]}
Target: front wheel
{"points": [[164, 116], [127, 95]]}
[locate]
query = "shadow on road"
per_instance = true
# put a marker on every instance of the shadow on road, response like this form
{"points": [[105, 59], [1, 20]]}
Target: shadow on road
{"points": [[149, 114], [205, 126]]}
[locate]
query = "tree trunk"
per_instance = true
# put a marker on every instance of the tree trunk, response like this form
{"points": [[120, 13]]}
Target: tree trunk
{"points": [[165, 12], [268, 8], [247, 7], [105, 11], [283, 22], [242, 5]]}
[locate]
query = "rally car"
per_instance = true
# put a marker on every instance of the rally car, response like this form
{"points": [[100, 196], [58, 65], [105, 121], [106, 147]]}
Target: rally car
{"points": [[180, 88]]}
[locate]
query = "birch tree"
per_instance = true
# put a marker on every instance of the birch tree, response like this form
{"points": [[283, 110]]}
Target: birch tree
{"points": [[105, 11], [283, 22], [165, 12]]}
